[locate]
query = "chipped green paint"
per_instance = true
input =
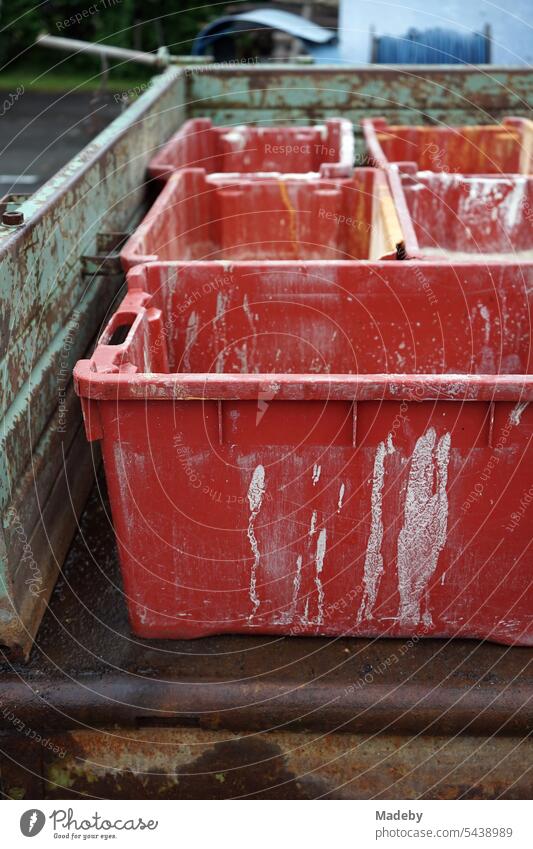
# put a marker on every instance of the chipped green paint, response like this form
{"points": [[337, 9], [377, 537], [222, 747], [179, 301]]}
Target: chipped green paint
{"points": [[40, 263], [25, 420], [67, 773], [41, 283], [61, 776], [407, 94], [16, 793], [96, 191]]}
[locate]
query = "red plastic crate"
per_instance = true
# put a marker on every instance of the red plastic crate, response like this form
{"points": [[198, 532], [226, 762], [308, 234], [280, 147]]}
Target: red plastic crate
{"points": [[325, 150], [478, 149], [320, 448], [459, 216], [206, 217]]}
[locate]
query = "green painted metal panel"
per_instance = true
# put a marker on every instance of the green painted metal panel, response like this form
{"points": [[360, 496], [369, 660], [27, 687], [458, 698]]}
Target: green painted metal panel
{"points": [[40, 263], [413, 94], [23, 425], [96, 191], [42, 286]]}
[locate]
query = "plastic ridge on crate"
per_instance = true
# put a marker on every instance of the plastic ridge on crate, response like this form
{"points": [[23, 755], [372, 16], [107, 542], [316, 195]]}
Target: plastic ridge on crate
{"points": [[319, 448], [478, 149], [201, 216], [325, 150]]}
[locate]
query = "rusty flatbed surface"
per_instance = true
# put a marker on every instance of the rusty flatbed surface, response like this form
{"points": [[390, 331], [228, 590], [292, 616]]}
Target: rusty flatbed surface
{"points": [[87, 669], [193, 763]]}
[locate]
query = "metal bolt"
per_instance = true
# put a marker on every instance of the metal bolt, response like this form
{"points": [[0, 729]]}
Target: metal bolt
{"points": [[12, 218]]}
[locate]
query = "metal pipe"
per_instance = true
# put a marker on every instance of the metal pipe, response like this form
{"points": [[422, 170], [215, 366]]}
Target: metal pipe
{"points": [[158, 60]]}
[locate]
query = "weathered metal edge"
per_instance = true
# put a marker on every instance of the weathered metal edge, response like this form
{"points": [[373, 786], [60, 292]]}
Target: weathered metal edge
{"points": [[261, 704], [100, 161], [47, 545], [120, 148], [372, 88], [447, 94], [28, 416], [40, 259]]}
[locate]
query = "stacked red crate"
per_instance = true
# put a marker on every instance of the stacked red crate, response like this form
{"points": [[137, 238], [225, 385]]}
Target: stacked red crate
{"points": [[301, 438]]}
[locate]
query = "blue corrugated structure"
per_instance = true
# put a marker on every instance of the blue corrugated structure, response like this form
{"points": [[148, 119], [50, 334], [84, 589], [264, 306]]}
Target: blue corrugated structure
{"points": [[433, 47]]}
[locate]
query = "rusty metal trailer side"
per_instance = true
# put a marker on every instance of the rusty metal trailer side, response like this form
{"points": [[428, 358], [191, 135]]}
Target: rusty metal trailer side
{"points": [[56, 284]]}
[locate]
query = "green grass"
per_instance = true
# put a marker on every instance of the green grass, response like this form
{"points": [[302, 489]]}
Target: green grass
{"points": [[41, 80]]}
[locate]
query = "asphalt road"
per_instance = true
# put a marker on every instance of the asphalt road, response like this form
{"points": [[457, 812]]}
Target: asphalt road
{"points": [[41, 132]]}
